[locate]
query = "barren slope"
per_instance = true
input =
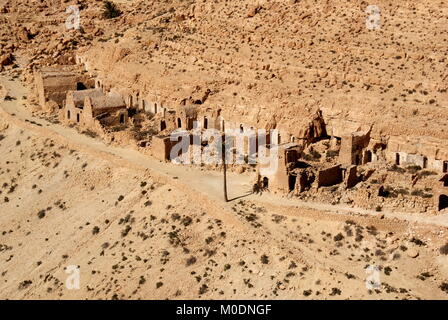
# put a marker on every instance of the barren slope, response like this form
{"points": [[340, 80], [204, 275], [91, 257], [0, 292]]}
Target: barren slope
{"points": [[134, 236]]}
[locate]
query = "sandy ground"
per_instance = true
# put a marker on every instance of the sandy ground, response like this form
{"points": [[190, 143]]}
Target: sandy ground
{"points": [[138, 228]]}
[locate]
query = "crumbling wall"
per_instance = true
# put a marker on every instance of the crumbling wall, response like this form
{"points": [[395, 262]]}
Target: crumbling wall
{"points": [[353, 148], [422, 151], [161, 147], [53, 83], [304, 180], [441, 193], [350, 176], [316, 129], [329, 176], [278, 180]]}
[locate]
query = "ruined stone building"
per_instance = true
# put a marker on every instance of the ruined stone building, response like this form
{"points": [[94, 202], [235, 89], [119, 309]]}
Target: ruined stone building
{"points": [[72, 112], [441, 193], [53, 83], [424, 152], [297, 175], [354, 148], [286, 177], [107, 107], [161, 147], [92, 107]]}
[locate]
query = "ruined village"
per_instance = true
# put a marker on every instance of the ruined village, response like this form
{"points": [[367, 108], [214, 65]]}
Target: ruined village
{"points": [[88, 116], [309, 157]]}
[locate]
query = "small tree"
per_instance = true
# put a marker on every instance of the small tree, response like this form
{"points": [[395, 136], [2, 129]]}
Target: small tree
{"points": [[110, 10]]}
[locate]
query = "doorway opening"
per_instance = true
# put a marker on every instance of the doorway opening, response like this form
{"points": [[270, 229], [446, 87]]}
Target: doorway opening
{"points": [[80, 86], [265, 183], [292, 182], [443, 202], [162, 125], [367, 156]]}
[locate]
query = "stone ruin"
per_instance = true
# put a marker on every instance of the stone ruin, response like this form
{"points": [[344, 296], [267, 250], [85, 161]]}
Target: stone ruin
{"points": [[93, 108], [53, 83], [87, 100], [441, 193]]}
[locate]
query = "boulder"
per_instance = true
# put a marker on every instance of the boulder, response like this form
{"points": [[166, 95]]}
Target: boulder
{"points": [[253, 11], [412, 253], [6, 59], [23, 35]]}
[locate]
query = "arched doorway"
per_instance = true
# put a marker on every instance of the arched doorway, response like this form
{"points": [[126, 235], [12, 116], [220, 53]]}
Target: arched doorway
{"points": [[122, 118], [443, 202], [68, 114]]}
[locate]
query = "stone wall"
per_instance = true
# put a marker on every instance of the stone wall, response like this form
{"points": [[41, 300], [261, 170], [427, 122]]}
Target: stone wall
{"points": [[161, 147], [329, 176]]}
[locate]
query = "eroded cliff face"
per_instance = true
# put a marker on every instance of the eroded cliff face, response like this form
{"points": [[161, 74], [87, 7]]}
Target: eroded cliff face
{"points": [[279, 62]]}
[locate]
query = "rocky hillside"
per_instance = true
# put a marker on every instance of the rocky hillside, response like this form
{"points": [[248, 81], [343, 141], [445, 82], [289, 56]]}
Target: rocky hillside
{"points": [[264, 63]]}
